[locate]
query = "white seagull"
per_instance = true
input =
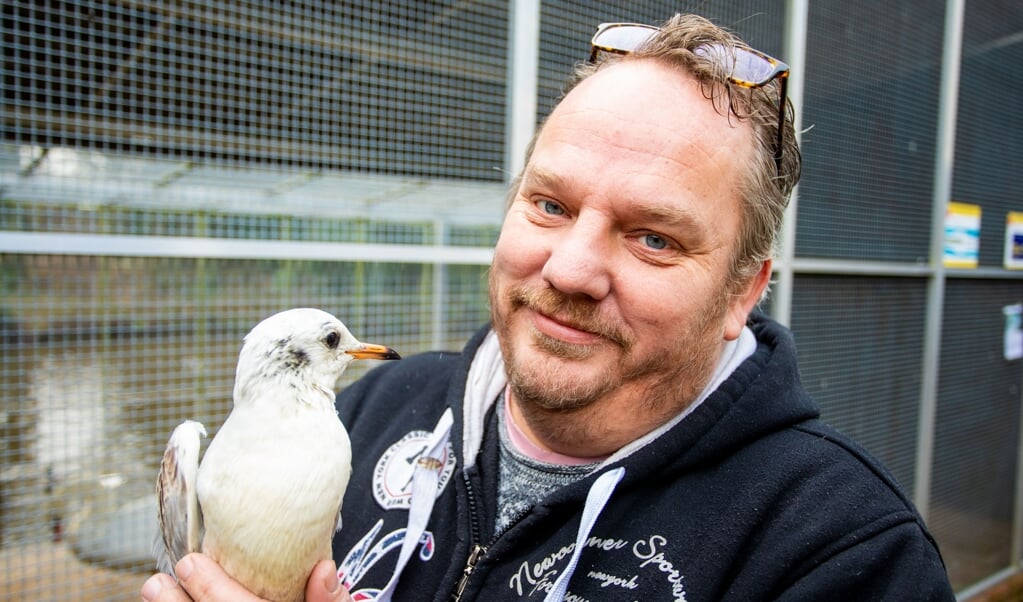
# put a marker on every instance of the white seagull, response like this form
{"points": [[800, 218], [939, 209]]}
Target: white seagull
{"points": [[266, 500]]}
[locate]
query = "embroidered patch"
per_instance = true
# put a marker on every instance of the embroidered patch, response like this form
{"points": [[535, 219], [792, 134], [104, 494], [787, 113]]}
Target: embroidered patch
{"points": [[392, 476]]}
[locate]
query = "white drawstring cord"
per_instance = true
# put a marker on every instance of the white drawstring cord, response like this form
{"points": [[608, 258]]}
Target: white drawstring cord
{"points": [[600, 492], [425, 477]]}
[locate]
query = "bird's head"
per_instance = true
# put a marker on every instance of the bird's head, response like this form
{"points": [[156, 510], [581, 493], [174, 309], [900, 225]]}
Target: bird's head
{"points": [[300, 348]]}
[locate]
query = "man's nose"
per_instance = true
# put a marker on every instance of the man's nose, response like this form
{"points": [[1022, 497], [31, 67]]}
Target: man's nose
{"points": [[579, 262]]}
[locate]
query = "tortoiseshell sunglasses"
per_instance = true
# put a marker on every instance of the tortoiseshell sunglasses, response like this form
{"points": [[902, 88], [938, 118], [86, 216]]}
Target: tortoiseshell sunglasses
{"points": [[750, 68]]}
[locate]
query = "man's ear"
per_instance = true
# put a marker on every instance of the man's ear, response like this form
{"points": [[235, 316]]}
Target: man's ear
{"points": [[742, 302]]}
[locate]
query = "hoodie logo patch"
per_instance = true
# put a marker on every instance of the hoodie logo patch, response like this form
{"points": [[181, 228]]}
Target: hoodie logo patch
{"points": [[361, 558], [392, 476]]}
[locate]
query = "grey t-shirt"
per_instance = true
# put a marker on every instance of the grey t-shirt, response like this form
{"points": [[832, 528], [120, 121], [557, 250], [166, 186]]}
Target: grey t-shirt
{"points": [[524, 481]]}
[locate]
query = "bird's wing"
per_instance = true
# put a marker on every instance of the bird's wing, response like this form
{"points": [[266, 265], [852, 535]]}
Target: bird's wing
{"points": [[179, 514]]}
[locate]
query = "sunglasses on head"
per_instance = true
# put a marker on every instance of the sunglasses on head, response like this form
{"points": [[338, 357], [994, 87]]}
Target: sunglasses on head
{"points": [[749, 68]]}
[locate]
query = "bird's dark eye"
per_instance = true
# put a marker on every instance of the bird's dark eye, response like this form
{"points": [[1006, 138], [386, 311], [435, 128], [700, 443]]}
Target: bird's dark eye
{"points": [[333, 338]]}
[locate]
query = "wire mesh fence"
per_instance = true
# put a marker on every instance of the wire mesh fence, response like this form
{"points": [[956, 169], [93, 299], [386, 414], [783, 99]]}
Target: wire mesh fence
{"points": [[171, 172]]}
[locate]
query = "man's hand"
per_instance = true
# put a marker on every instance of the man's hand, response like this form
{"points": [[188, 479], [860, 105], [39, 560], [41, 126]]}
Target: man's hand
{"points": [[202, 580]]}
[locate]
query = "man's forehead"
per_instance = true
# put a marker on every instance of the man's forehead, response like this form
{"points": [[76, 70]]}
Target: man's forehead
{"points": [[669, 108], [644, 83]]}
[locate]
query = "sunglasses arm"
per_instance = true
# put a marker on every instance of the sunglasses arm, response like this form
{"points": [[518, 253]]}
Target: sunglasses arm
{"points": [[781, 123]]}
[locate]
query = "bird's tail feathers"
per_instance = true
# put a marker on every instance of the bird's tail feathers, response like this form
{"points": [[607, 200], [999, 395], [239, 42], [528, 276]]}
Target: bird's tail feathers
{"points": [[180, 518]]}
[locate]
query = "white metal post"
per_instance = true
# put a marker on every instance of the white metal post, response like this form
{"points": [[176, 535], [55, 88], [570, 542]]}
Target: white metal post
{"points": [[948, 102], [523, 69], [796, 17], [439, 328]]}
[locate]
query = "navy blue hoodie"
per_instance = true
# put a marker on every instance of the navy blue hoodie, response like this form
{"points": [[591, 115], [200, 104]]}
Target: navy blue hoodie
{"points": [[749, 497]]}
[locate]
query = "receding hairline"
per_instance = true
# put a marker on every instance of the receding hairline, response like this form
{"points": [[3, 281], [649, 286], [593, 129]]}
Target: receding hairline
{"points": [[743, 146]]}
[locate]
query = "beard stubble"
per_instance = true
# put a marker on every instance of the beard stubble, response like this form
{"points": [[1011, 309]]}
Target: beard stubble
{"points": [[662, 383]]}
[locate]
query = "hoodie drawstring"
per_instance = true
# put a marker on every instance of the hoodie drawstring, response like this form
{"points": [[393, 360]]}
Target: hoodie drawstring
{"points": [[600, 492], [425, 477]]}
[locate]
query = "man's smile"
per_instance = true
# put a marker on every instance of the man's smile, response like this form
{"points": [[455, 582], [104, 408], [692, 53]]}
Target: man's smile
{"points": [[564, 330]]}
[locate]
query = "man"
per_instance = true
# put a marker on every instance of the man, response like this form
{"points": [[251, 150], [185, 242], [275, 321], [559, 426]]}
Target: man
{"points": [[625, 429]]}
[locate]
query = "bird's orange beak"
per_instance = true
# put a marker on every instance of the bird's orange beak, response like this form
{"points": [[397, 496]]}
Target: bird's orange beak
{"points": [[369, 351]]}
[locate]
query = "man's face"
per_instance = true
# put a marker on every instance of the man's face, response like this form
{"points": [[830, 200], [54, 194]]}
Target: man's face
{"points": [[608, 280]]}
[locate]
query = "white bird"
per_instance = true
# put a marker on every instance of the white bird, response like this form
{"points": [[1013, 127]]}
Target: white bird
{"points": [[266, 500]]}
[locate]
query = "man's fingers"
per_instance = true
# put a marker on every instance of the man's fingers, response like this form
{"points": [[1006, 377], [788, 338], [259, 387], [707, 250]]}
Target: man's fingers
{"points": [[205, 581], [161, 588], [202, 580], [324, 586]]}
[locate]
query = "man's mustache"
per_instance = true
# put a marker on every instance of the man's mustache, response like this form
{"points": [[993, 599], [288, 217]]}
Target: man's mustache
{"points": [[575, 312]]}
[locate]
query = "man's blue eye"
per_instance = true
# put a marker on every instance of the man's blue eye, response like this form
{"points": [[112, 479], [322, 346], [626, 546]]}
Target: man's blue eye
{"points": [[551, 207], [654, 241]]}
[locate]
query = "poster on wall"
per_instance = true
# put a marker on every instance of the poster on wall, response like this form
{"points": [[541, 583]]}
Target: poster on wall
{"points": [[1013, 241], [1013, 338], [962, 235]]}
